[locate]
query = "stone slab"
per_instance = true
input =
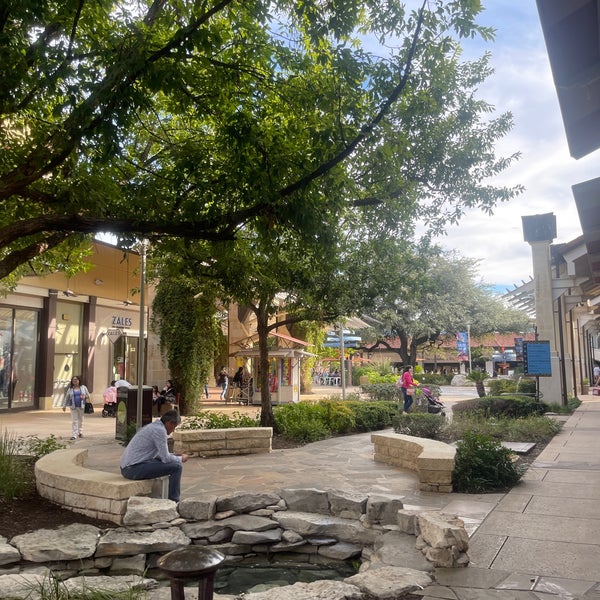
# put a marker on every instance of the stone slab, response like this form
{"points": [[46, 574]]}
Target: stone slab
{"points": [[483, 549], [560, 490], [543, 527], [514, 502], [575, 507], [549, 558], [518, 447], [470, 577]]}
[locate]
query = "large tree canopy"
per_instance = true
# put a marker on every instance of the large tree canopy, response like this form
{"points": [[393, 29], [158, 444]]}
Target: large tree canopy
{"points": [[205, 120], [435, 295]]}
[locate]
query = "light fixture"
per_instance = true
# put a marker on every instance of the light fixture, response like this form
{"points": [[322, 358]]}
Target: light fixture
{"points": [[127, 302], [98, 281], [69, 293]]}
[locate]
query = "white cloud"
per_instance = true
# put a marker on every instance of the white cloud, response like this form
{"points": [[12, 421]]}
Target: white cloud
{"points": [[522, 84]]}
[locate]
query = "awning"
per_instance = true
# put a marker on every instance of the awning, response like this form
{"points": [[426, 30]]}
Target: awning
{"points": [[273, 353]]}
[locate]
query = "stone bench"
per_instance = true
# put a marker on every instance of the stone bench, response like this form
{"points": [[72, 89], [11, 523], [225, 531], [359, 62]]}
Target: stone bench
{"points": [[431, 460], [63, 478], [221, 442]]}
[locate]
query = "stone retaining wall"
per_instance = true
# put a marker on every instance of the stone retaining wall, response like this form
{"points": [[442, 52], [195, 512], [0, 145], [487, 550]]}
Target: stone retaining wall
{"points": [[63, 478], [220, 442], [431, 460], [293, 526]]}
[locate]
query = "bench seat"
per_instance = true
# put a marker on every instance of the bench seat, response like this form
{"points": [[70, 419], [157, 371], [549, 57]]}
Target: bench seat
{"points": [[63, 478]]}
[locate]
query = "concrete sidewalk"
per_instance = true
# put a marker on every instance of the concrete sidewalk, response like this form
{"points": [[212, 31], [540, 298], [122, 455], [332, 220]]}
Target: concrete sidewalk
{"points": [[539, 541]]}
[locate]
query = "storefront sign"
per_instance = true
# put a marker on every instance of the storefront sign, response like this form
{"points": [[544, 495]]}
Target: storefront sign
{"points": [[120, 321]]}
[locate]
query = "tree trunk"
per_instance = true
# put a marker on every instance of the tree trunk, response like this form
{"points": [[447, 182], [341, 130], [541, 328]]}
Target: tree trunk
{"points": [[479, 386], [266, 410]]}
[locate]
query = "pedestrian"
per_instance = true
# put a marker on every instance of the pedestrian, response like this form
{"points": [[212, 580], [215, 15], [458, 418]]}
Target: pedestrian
{"points": [[167, 394], [147, 454], [408, 386], [75, 398], [596, 374], [223, 381]]}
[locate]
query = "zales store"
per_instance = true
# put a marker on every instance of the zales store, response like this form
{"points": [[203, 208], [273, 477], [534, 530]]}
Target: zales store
{"points": [[52, 329]]}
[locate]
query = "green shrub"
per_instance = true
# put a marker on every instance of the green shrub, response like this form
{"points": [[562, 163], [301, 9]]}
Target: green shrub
{"points": [[15, 477], [501, 386], [527, 429], [215, 420], [572, 404], [302, 422], [506, 406], [338, 416], [434, 379], [372, 416], [382, 391], [37, 447], [419, 424], [482, 464]]}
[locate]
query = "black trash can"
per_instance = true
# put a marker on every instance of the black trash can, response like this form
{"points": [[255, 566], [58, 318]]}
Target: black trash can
{"points": [[127, 402]]}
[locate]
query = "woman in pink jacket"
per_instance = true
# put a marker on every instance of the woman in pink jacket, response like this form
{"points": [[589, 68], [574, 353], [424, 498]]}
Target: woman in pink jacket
{"points": [[407, 384]]}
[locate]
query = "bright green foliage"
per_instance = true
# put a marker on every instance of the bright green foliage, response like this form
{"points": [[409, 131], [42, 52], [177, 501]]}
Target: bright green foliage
{"points": [[216, 420], [382, 391], [188, 333], [532, 428], [419, 424], [14, 472], [482, 464], [372, 416], [37, 447], [303, 422], [505, 406], [308, 422], [163, 119]]}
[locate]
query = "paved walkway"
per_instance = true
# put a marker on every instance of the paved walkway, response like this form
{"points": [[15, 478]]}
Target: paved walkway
{"points": [[539, 541]]}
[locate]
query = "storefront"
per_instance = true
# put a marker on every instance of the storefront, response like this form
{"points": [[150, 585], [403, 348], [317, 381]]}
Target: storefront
{"points": [[52, 328]]}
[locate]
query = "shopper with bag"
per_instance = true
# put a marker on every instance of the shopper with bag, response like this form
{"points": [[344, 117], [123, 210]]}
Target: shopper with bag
{"points": [[408, 386], [76, 398]]}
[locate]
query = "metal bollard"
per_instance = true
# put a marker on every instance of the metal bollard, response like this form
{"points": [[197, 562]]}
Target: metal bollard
{"points": [[192, 563]]}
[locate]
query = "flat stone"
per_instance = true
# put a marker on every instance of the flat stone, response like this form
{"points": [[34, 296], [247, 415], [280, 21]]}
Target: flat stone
{"points": [[321, 590], [518, 447], [389, 583], [72, 542]]}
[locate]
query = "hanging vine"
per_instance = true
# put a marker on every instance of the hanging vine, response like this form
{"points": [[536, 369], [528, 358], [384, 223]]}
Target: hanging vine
{"points": [[189, 334]]}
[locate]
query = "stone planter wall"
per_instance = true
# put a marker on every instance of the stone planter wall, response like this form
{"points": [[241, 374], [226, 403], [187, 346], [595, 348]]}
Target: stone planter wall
{"points": [[303, 525], [220, 442]]}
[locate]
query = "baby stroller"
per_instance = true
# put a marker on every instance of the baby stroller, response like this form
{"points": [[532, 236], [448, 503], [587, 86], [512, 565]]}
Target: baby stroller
{"points": [[434, 406], [109, 409], [110, 401]]}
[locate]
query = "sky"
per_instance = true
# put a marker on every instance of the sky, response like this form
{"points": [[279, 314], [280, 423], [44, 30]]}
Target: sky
{"points": [[522, 84]]}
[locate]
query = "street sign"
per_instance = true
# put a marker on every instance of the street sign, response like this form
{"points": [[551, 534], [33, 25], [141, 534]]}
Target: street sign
{"points": [[536, 356]]}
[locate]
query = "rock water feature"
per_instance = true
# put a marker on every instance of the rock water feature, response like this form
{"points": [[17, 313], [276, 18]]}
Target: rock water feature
{"points": [[397, 549]]}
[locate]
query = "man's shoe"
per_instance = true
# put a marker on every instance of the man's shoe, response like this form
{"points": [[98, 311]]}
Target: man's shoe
{"points": [[81, 435], [73, 437]]}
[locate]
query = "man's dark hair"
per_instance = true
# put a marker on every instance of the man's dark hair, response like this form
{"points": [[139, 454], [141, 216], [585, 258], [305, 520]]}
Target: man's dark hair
{"points": [[171, 416]]}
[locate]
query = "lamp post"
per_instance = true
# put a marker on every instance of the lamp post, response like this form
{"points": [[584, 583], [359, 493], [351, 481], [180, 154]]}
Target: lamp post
{"points": [[469, 344], [141, 353]]}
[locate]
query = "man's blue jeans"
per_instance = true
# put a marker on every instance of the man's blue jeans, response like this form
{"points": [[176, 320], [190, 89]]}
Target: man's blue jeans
{"points": [[157, 468]]}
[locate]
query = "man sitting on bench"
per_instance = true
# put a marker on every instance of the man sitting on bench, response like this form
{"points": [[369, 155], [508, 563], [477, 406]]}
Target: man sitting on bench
{"points": [[147, 454]]}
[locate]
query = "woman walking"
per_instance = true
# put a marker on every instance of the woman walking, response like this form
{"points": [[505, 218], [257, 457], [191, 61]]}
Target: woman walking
{"points": [[76, 397], [408, 386]]}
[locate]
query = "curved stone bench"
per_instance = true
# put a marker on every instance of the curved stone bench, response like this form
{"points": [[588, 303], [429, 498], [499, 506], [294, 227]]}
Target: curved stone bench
{"points": [[431, 460], [63, 478]]}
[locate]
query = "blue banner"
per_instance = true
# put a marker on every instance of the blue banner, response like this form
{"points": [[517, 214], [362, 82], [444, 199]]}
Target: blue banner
{"points": [[462, 345]]}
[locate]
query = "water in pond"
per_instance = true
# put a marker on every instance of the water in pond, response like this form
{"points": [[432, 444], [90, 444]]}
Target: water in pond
{"points": [[260, 577]]}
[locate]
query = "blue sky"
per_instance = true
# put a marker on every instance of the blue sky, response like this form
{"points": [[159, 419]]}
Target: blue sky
{"points": [[522, 84]]}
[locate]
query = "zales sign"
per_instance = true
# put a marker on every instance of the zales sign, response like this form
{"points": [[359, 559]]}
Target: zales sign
{"points": [[114, 334]]}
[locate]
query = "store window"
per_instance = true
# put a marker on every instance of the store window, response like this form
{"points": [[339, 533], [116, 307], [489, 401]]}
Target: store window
{"points": [[125, 358], [18, 357], [68, 348]]}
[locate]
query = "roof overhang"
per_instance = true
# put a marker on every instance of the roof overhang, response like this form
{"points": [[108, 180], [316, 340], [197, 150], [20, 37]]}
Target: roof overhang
{"points": [[571, 32], [587, 200]]}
